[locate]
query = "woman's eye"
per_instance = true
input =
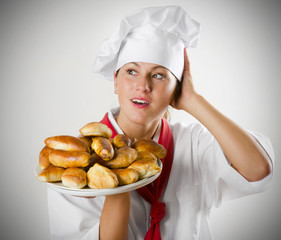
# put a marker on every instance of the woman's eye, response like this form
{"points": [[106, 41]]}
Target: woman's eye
{"points": [[131, 72], [158, 76]]}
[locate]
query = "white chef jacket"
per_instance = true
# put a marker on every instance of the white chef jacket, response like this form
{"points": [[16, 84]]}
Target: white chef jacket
{"points": [[200, 178]]}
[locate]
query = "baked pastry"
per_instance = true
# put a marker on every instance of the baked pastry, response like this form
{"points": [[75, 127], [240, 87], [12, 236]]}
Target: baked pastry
{"points": [[65, 142], [121, 140], [149, 145], [51, 174], [123, 158], [103, 148], [101, 177], [87, 140], [97, 159], [44, 157], [146, 156], [74, 178], [66, 159], [145, 168], [96, 129], [126, 176]]}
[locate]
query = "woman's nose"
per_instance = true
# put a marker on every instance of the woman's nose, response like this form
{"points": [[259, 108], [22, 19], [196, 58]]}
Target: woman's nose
{"points": [[144, 83]]}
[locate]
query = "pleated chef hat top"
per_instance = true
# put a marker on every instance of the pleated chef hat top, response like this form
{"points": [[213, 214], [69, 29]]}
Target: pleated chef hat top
{"points": [[154, 35]]}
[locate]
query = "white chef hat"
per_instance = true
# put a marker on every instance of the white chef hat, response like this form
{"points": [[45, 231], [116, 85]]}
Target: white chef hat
{"points": [[155, 35]]}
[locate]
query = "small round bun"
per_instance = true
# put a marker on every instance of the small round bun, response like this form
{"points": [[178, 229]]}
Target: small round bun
{"points": [[74, 178], [149, 145], [123, 157], [67, 143], [44, 157], [103, 147], [66, 159], [51, 174], [87, 140], [146, 156], [96, 129], [145, 168], [100, 177], [126, 176], [122, 140]]}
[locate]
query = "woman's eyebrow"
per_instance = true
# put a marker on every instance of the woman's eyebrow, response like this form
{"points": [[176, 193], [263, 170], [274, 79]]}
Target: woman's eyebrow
{"points": [[134, 63], [159, 66]]}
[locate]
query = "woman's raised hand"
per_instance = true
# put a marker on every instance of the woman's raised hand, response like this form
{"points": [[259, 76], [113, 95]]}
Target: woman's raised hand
{"points": [[243, 152], [183, 101]]}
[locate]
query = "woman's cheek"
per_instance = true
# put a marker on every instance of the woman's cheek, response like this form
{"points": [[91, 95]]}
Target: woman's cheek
{"points": [[169, 91]]}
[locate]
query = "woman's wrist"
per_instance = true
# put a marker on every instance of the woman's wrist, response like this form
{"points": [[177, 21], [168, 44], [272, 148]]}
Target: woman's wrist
{"points": [[115, 217], [192, 104], [120, 196]]}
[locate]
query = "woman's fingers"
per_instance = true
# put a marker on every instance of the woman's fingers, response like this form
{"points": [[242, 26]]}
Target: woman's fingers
{"points": [[186, 69], [83, 197]]}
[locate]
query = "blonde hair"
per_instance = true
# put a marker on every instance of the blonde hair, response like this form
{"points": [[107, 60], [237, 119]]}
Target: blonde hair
{"points": [[167, 115]]}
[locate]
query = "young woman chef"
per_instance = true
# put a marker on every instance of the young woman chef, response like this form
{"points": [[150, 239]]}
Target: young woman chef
{"points": [[206, 163]]}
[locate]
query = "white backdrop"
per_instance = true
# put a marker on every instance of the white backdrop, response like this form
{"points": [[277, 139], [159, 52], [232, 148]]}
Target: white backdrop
{"points": [[47, 88]]}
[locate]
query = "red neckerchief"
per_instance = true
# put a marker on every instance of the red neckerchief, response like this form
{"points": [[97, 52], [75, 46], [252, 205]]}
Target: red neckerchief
{"points": [[152, 192]]}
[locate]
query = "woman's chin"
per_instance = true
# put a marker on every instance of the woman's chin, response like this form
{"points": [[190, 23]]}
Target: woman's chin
{"points": [[140, 119]]}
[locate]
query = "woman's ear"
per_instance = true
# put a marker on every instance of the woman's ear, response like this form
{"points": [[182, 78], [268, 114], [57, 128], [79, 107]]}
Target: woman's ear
{"points": [[115, 83]]}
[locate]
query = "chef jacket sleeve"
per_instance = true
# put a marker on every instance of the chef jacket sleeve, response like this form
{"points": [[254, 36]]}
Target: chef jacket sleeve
{"points": [[73, 217], [222, 181]]}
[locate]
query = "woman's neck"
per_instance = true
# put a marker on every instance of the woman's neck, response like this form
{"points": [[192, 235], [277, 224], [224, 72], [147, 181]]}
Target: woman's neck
{"points": [[138, 130]]}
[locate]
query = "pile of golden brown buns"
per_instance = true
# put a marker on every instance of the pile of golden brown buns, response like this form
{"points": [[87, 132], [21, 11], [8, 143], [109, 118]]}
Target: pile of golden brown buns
{"points": [[96, 160]]}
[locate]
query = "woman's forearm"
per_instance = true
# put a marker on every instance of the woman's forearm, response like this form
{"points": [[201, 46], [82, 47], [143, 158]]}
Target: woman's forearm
{"points": [[241, 149], [115, 217]]}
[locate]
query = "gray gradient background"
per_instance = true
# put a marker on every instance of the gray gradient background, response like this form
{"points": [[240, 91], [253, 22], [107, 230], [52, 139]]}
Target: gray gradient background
{"points": [[47, 88]]}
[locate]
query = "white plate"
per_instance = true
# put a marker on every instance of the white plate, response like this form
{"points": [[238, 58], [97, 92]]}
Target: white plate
{"points": [[88, 192]]}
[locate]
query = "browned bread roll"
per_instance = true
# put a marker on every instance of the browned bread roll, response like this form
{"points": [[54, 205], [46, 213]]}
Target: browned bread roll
{"points": [[121, 140], [96, 129], [103, 148], [65, 142], [44, 157], [65, 159], [126, 176], [87, 140], [146, 156], [123, 157], [145, 168], [101, 177], [97, 159], [74, 178], [133, 140], [149, 145], [51, 174]]}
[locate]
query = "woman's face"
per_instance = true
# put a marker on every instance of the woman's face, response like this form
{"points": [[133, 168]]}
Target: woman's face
{"points": [[144, 90]]}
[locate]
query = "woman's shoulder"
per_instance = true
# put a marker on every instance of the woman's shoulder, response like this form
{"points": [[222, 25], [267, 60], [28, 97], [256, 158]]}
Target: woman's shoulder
{"points": [[183, 128], [193, 133]]}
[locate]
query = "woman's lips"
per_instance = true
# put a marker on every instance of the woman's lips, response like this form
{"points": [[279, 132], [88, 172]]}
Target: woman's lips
{"points": [[140, 102]]}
